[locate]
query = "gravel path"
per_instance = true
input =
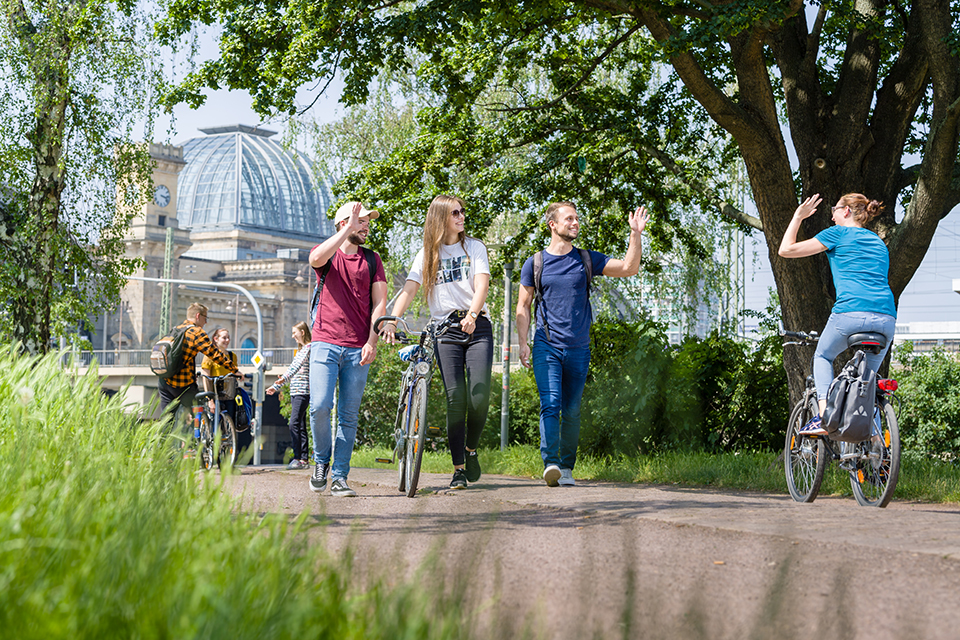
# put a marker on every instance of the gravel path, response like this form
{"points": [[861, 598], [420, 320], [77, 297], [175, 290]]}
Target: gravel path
{"points": [[612, 560]]}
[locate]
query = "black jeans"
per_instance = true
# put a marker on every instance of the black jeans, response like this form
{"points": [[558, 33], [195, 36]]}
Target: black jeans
{"points": [[465, 370], [170, 394], [298, 426]]}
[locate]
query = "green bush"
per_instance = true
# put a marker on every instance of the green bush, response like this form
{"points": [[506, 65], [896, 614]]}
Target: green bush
{"points": [[929, 416], [107, 531]]}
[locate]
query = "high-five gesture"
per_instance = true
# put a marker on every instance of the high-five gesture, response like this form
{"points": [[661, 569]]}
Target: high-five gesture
{"points": [[808, 207], [638, 219]]}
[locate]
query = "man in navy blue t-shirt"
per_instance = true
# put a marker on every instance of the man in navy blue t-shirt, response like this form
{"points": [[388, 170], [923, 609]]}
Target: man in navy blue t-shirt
{"points": [[561, 343]]}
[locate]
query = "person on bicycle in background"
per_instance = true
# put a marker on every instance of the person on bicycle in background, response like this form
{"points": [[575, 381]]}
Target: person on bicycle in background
{"points": [[859, 261], [344, 343], [561, 344], [298, 375], [182, 386], [454, 271], [226, 388]]}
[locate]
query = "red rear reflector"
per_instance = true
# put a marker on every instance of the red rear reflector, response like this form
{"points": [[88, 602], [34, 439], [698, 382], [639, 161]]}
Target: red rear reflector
{"points": [[887, 384]]}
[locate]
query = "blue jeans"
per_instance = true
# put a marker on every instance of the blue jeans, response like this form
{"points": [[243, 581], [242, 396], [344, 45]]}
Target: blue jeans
{"points": [[561, 375], [331, 364], [833, 341]]}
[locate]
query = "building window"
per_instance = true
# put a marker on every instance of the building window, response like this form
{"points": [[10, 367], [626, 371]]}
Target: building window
{"points": [[162, 221]]}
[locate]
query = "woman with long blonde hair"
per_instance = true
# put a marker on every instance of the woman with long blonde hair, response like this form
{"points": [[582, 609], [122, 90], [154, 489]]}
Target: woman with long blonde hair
{"points": [[298, 376], [454, 272]]}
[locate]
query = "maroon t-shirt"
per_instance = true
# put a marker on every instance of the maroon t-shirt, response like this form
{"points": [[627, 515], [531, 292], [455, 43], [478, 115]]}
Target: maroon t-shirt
{"points": [[343, 315]]}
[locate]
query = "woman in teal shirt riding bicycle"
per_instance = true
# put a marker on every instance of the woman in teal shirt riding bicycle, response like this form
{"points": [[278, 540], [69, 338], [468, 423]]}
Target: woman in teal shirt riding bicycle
{"points": [[859, 262]]}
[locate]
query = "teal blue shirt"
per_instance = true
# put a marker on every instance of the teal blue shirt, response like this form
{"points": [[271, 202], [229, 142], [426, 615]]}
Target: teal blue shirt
{"points": [[859, 262]]}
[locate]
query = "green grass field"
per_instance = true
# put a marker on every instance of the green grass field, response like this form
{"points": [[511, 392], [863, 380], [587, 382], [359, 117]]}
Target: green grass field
{"points": [[920, 479]]}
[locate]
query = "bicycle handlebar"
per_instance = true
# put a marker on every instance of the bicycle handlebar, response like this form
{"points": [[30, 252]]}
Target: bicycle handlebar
{"points": [[800, 335], [441, 328]]}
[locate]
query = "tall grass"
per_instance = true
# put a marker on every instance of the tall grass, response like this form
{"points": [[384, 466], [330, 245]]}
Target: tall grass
{"points": [[106, 531]]}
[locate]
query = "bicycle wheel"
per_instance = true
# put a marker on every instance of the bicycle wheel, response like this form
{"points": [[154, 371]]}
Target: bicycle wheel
{"points": [[227, 454], [206, 444], [416, 435], [804, 458], [878, 466]]}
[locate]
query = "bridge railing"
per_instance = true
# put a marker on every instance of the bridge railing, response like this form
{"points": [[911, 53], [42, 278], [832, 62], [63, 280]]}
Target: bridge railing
{"points": [[280, 357]]}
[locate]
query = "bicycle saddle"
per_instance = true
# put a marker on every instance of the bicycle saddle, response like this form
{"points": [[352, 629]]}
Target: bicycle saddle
{"points": [[204, 395], [874, 342]]}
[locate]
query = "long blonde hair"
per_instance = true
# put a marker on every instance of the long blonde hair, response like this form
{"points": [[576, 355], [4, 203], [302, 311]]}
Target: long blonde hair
{"points": [[434, 228], [304, 331]]}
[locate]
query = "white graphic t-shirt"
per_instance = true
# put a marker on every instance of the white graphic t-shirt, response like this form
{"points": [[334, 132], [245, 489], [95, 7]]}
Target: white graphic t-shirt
{"points": [[454, 284]]}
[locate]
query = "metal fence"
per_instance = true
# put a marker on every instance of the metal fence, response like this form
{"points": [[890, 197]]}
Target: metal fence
{"points": [[141, 357]]}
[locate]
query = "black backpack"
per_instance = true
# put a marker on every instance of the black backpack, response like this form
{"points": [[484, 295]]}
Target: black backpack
{"points": [[850, 402], [371, 259], [538, 287], [166, 359]]}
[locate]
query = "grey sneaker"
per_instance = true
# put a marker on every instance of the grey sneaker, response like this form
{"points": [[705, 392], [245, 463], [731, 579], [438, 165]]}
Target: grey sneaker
{"points": [[297, 464], [551, 475], [340, 489], [318, 481], [459, 479], [566, 478]]}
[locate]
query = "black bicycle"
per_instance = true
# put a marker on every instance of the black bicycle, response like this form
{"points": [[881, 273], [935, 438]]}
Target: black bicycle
{"points": [[411, 430], [217, 437], [873, 464]]}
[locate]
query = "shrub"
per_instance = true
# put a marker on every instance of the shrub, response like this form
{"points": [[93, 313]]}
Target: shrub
{"points": [[929, 416]]}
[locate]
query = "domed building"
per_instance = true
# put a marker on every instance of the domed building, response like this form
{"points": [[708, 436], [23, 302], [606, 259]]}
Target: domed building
{"points": [[231, 206]]}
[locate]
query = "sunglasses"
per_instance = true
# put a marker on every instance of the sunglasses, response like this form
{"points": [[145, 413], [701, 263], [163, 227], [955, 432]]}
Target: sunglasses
{"points": [[458, 212]]}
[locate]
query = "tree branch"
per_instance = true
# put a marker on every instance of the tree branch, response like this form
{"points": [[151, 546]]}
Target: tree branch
{"points": [[724, 207], [583, 78]]}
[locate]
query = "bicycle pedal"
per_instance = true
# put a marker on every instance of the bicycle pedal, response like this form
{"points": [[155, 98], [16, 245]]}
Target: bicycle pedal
{"points": [[434, 432], [384, 460]]}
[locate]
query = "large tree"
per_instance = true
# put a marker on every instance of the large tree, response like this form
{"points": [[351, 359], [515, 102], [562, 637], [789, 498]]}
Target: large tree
{"points": [[76, 81], [867, 91]]}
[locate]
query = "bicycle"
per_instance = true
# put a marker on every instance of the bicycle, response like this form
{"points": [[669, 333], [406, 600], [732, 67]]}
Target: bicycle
{"points": [[873, 464], [411, 430], [217, 437]]}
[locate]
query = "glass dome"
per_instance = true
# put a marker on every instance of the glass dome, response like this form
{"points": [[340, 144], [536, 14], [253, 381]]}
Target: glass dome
{"points": [[277, 191]]}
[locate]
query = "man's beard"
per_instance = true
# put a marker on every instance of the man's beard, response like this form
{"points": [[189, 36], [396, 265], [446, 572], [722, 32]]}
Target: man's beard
{"points": [[354, 238], [567, 237]]}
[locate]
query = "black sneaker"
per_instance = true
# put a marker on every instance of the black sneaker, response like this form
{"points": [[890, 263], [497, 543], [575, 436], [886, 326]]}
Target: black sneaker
{"points": [[459, 480], [318, 481], [340, 489], [473, 466]]}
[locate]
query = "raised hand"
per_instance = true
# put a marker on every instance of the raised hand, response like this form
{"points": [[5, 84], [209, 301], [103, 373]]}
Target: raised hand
{"points": [[638, 219], [808, 207]]}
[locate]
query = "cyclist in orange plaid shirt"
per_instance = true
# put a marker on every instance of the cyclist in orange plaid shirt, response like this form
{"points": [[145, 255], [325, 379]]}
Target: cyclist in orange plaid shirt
{"points": [[182, 385]]}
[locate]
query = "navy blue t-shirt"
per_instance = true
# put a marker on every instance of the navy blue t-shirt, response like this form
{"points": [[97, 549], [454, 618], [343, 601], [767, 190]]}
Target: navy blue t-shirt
{"points": [[564, 283]]}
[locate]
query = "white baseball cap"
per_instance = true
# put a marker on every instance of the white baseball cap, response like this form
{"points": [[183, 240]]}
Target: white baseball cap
{"points": [[343, 213]]}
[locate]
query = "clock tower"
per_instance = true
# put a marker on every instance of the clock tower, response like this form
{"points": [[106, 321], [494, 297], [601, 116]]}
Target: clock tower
{"points": [[147, 238]]}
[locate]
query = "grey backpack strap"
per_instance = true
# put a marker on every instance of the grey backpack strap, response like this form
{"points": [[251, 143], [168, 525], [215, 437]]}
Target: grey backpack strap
{"points": [[538, 290], [587, 267]]}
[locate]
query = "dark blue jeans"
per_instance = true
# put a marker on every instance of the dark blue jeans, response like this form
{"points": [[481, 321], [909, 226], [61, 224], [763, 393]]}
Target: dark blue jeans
{"points": [[298, 426], [561, 375]]}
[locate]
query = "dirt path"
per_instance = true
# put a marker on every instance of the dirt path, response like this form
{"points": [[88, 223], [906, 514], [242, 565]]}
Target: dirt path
{"points": [[609, 560]]}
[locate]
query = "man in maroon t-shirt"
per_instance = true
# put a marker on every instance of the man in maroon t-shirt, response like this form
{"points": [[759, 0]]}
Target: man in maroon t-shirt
{"points": [[344, 343]]}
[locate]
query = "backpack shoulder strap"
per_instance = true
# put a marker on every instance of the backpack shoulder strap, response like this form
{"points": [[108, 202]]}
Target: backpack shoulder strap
{"points": [[587, 267], [317, 289], [371, 259], [538, 290]]}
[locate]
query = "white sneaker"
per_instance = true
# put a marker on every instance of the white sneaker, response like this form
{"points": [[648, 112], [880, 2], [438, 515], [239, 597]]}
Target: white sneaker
{"points": [[566, 478], [551, 475]]}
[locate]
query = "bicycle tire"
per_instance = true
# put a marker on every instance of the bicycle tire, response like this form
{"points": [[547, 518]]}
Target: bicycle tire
{"points": [[400, 448], [874, 480], [416, 435], [206, 445], [804, 458], [227, 451]]}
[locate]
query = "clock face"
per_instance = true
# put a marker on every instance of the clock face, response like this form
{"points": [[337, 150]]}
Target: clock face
{"points": [[161, 196]]}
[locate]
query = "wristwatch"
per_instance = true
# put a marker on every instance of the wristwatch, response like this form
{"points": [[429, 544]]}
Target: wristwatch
{"points": [[473, 314]]}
